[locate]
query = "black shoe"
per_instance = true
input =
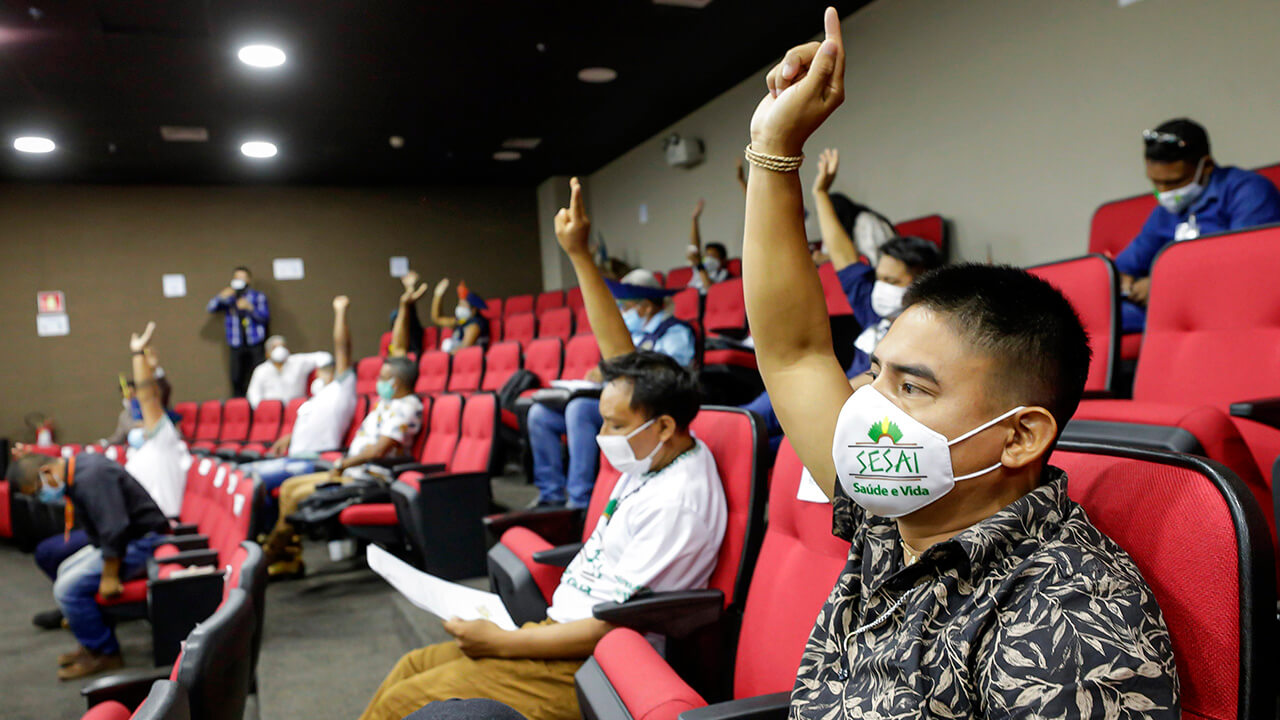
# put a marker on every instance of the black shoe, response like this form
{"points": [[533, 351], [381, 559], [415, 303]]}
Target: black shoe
{"points": [[49, 619], [540, 504]]}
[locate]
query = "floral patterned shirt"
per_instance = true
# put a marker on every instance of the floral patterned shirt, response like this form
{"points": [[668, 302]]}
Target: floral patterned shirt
{"points": [[1031, 613]]}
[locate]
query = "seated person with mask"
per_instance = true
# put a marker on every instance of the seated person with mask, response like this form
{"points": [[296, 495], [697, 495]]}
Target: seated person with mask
{"points": [[123, 525], [986, 562], [662, 530], [1196, 197], [323, 419], [644, 323], [387, 431], [469, 326], [284, 375], [709, 268]]}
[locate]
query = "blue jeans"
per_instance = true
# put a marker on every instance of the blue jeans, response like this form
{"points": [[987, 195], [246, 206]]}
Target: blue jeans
{"points": [[1133, 317], [54, 549], [580, 422], [272, 473], [77, 585], [763, 407]]}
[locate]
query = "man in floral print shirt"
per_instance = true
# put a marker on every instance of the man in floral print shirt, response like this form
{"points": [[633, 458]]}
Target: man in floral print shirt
{"points": [[975, 587]]}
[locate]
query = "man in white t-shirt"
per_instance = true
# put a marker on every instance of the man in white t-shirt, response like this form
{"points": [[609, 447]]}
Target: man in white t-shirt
{"points": [[660, 531], [284, 375], [159, 459]]}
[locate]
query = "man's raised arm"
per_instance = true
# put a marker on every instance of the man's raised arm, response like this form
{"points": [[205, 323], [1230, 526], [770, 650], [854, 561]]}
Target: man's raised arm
{"points": [[144, 379], [573, 227], [785, 303], [400, 330], [342, 336]]}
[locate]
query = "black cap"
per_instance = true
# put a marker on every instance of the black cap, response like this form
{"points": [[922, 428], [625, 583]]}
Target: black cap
{"points": [[1174, 140]]}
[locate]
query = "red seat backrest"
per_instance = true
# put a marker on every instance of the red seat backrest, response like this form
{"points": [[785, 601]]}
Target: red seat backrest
{"points": [[1196, 583], [188, 411], [580, 355], [362, 409], [581, 323], [433, 372], [678, 278], [837, 301], [237, 415], [493, 308], [384, 344], [502, 360], [660, 277], [799, 562], [687, 304], [367, 370], [544, 359], [573, 298], [1213, 329], [495, 329], [930, 227], [443, 430], [547, 301], [430, 338], [1116, 223], [474, 451], [518, 304], [209, 420], [520, 327], [556, 323], [52, 451], [266, 421], [734, 266], [1270, 172], [420, 440], [726, 308], [1092, 285], [290, 415], [468, 369]]}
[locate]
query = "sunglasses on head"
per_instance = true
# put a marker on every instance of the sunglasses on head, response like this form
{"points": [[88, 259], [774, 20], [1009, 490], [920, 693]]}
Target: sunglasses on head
{"points": [[1151, 137]]}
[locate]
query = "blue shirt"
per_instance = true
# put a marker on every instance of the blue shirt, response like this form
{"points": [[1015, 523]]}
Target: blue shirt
{"points": [[244, 327], [677, 342], [857, 280], [1235, 199]]}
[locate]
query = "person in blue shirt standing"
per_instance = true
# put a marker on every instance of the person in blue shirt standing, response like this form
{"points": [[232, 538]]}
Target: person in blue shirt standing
{"points": [[1197, 197], [247, 316]]}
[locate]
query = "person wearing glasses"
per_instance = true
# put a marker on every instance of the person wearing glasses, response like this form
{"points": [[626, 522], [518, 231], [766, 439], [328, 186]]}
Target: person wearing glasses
{"points": [[1196, 197]]}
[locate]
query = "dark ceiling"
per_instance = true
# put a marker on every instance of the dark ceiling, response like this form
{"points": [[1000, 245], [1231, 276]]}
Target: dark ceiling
{"points": [[454, 79]]}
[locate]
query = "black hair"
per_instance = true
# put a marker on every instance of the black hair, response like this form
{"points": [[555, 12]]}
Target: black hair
{"points": [[1193, 142], [24, 472], [847, 212], [724, 252], [241, 267], [659, 385], [404, 370], [1021, 321], [918, 254]]}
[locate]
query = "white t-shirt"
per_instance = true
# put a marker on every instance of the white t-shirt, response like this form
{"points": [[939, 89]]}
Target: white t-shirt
{"points": [[160, 466], [286, 382], [665, 534], [323, 420], [398, 418]]}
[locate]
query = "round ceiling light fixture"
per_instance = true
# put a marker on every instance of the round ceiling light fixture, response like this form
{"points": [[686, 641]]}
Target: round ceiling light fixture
{"points": [[258, 149], [597, 75], [506, 155], [261, 56], [33, 144]]}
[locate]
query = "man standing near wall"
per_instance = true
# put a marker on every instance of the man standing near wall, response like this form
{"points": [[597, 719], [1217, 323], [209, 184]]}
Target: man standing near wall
{"points": [[246, 322]]}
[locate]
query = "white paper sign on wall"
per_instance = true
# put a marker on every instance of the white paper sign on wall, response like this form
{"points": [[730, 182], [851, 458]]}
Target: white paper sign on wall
{"points": [[644, 213], [52, 325], [174, 284], [399, 266], [288, 269]]}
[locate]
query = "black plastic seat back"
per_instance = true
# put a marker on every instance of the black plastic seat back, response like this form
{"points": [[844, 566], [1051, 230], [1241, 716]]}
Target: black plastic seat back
{"points": [[217, 660], [166, 701]]}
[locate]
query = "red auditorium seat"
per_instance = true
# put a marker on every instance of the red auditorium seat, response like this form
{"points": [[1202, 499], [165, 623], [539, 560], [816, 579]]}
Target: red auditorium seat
{"points": [[367, 370], [1092, 285], [1116, 223], [187, 425], [837, 301], [734, 266], [430, 339], [384, 344], [548, 300], [517, 304], [468, 370], [433, 372], [237, 416], [265, 428], [6, 521], [208, 423], [1270, 172], [166, 700], [520, 327], [580, 355], [725, 312], [933, 228], [678, 278], [363, 405], [545, 359], [687, 305], [290, 415], [500, 363], [495, 329], [573, 298], [556, 323], [581, 323], [661, 277]]}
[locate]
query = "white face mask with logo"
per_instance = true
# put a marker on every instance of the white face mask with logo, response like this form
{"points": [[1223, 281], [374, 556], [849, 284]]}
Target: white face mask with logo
{"points": [[617, 450], [886, 299], [1179, 199], [890, 463]]}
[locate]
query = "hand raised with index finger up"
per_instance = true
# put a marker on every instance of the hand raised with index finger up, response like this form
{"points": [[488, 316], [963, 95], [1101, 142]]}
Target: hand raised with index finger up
{"points": [[804, 89], [573, 227]]}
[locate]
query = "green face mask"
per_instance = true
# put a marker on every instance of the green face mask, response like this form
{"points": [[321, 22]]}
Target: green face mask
{"points": [[386, 389]]}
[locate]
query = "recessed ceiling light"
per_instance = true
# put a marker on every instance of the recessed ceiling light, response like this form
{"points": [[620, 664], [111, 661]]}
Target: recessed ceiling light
{"points": [[506, 155], [184, 133], [396, 141], [597, 75], [521, 143], [696, 4], [33, 145], [258, 149], [261, 56]]}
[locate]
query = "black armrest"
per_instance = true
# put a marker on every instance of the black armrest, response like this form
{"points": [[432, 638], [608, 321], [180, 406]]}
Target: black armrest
{"points": [[558, 556], [226, 454], [322, 465], [761, 707], [558, 526], [188, 542], [128, 688], [248, 455], [424, 468], [188, 558], [1263, 410], [674, 614], [391, 461], [185, 529]]}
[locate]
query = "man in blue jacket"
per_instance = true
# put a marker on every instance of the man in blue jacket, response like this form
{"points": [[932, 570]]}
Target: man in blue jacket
{"points": [[1196, 198]]}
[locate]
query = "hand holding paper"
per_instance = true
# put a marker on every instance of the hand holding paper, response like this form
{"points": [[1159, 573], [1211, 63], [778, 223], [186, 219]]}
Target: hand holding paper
{"points": [[446, 600]]}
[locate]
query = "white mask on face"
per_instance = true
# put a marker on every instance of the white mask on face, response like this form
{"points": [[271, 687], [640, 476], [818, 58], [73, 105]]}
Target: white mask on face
{"points": [[238, 284], [886, 299], [317, 385], [909, 472], [136, 438], [462, 313], [711, 265], [617, 450], [279, 354], [1179, 199]]}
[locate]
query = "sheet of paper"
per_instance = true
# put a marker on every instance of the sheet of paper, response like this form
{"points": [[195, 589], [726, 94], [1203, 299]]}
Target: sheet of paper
{"points": [[174, 284], [288, 269], [572, 385], [439, 597], [52, 325], [809, 490], [399, 266]]}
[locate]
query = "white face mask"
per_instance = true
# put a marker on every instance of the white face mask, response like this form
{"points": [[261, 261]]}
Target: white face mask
{"points": [[886, 299], [898, 477], [462, 313], [711, 265], [238, 284], [316, 386], [1179, 199], [617, 450], [136, 438], [279, 354]]}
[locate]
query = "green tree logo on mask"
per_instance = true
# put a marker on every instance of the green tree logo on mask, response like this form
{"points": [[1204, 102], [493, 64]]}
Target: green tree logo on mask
{"points": [[883, 428]]}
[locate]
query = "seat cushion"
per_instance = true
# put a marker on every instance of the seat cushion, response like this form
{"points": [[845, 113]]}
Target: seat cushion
{"points": [[1130, 346], [370, 514], [645, 683], [524, 543], [738, 358], [109, 710]]}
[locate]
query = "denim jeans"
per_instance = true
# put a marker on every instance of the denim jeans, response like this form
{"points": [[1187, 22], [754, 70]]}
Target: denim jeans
{"points": [[54, 549], [1133, 317], [77, 585], [580, 423], [763, 407]]}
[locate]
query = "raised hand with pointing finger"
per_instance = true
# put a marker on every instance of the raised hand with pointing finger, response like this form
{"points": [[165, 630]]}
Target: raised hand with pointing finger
{"points": [[573, 227], [804, 89], [138, 343]]}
